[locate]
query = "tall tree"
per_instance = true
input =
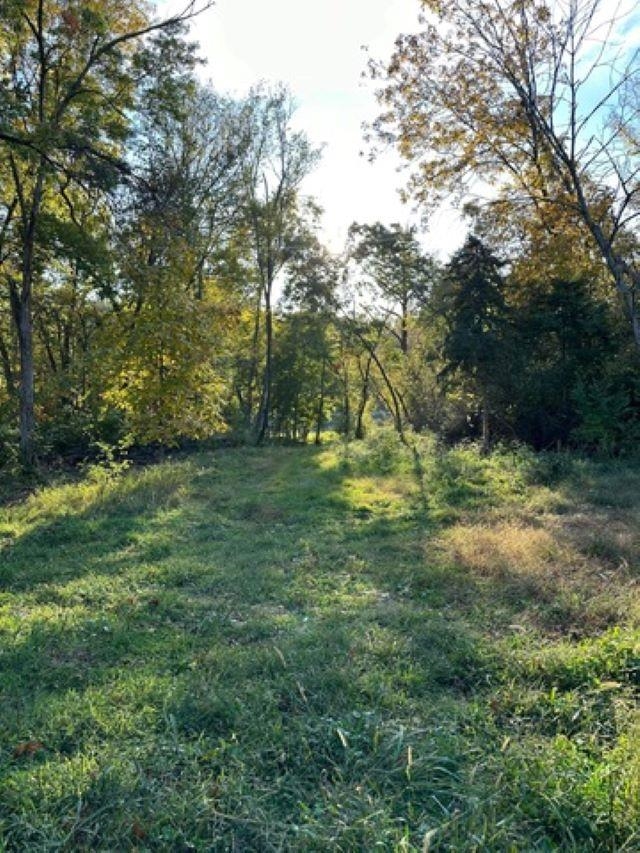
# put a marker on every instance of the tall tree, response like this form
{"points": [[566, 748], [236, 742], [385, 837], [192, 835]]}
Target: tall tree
{"points": [[279, 160], [310, 303], [533, 93], [475, 342], [174, 226], [399, 271], [566, 339], [68, 74]]}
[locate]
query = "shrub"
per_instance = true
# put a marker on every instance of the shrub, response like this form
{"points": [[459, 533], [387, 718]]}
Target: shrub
{"points": [[381, 452]]}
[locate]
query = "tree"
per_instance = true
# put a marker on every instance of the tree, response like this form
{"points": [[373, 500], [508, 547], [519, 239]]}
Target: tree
{"points": [[564, 319], [310, 302], [301, 377], [401, 274], [566, 338], [364, 337], [475, 342], [539, 95], [68, 73], [395, 278], [279, 160], [175, 226]]}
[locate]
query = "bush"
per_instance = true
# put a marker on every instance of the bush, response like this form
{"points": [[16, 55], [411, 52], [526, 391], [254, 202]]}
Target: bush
{"points": [[77, 434], [68, 437], [544, 468], [381, 452]]}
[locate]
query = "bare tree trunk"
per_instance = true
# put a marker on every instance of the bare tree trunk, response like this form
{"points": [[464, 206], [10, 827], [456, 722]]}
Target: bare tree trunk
{"points": [[265, 402], [25, 327]]}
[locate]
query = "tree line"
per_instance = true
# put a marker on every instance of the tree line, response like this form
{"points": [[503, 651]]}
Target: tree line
{"points": [[162, 275]]}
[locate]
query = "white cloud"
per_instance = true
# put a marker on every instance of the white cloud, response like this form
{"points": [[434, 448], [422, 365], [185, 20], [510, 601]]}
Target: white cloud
{"points": [[315, 47]]}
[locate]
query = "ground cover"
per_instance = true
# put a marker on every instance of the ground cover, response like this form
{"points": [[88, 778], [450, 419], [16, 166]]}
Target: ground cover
{"points": [[310, 649]]}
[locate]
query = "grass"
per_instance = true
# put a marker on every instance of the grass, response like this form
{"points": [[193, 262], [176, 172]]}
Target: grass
{"points": [[301, 649]]}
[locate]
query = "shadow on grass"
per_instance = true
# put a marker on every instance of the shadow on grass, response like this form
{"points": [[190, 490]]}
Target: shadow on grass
{"points": [[235, 651], [246, 551], [154, 576]]}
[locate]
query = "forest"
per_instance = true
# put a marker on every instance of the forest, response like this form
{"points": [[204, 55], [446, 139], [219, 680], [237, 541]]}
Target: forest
{"points": [[164, 277], [305, 548]]}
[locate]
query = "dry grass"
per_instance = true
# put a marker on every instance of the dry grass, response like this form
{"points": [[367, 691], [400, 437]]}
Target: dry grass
{"points": [[507, 549], [578, 570]]}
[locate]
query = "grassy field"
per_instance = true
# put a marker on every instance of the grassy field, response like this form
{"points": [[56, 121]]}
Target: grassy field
{"points": [[332, 649]]}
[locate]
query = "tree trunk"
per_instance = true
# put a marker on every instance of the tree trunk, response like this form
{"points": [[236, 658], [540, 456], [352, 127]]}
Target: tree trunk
{"points": [[265, 402], [253, 370], [395, 408], [25, 328], [347, 407], [486, 436], [626, 278], [27, 384], [5, 354], [45, 340], [634, 310], [364, 398], [7, 368], [404, 328], [320, 413]]}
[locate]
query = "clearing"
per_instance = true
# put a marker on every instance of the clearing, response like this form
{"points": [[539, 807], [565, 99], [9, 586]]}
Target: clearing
{"points": [[316, 649]]}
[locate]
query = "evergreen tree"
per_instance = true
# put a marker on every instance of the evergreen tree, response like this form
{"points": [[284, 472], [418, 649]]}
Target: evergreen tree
{"points": [[471, 298]]}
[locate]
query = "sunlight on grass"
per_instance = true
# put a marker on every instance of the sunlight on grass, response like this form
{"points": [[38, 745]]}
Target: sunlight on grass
{"points": [[312, 649], [505, 548]]}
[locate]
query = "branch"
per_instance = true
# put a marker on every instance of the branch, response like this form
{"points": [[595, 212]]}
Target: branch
{"points": [[191, 10]]}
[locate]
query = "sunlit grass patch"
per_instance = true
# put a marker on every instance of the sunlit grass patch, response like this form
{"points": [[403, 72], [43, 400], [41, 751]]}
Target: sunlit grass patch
{"points": [[508, 548]]}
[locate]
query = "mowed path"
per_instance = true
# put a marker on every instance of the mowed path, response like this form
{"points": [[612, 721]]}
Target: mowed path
{"points": [[285, 649]]}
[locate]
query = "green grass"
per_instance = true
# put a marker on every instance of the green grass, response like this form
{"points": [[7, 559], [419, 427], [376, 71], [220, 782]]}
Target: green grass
{"points": [[301, 649]]}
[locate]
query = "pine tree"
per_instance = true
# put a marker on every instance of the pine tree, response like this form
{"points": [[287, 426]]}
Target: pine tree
{"points": [[475, 344]]}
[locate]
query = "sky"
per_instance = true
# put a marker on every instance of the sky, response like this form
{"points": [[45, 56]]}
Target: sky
{"points": [[316, 48]]}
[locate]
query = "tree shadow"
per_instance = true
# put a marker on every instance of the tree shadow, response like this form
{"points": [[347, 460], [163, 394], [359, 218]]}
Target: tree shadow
{"points": [[114, 588], [265, 623]]}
